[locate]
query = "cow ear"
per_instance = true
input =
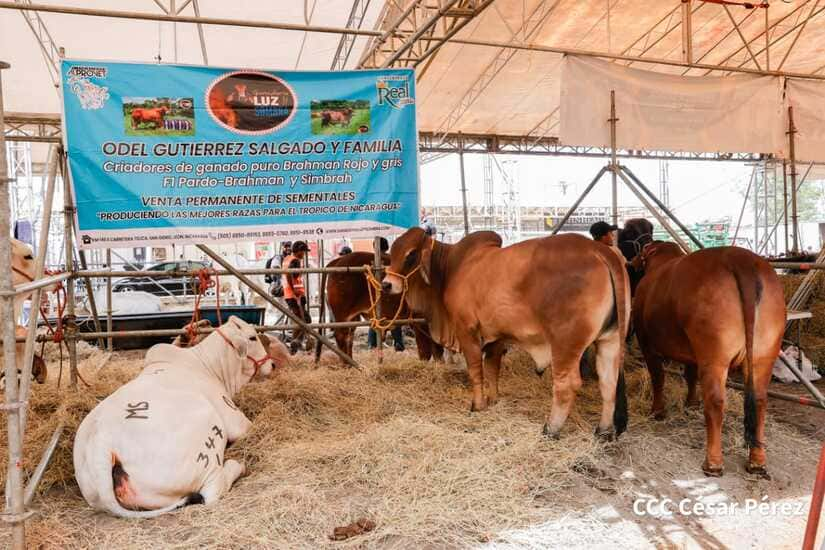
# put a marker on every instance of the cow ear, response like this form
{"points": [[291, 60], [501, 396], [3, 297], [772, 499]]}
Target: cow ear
{"points": [[240, 342], [426, 264]]}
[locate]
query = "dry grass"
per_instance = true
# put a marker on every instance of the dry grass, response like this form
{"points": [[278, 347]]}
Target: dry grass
{"points": [[394, 443]]}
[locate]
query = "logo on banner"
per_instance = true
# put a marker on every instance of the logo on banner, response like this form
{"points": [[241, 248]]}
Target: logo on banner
{"points": [[394, 90], [91, 95], [251, 103]]}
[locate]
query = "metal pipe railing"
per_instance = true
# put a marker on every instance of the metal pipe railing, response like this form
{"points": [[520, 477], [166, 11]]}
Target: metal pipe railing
{"points": [[219, 272], [180, 331]]}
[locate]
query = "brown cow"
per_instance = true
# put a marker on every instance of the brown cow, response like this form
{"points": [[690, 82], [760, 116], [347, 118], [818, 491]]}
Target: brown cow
{"points": [[220, 108], [341, 117], [348, 298], [482, 297], [155, 116], [712, 310]]}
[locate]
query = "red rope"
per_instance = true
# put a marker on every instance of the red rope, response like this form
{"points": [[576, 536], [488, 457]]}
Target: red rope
{"points": [[205, 281], [746, 5]]}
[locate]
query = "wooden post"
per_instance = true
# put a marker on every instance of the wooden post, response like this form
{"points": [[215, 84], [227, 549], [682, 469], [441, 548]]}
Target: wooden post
{"points": [[14, 476], [68, 213], [614, 166], [109, 299], [785, 203], [463, 186], [792, 151], [378, 268]]}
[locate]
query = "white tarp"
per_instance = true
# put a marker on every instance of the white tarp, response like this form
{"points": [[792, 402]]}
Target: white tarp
{"points": [[665, 112], [807, 97]]}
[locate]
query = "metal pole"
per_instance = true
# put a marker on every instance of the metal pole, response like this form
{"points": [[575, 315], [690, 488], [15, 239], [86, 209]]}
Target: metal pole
{"points": [[42, 465], [576, 204], [90, 295], [463, 186], [14, 477], [767, 39], [614, 166], [687, 31], [68, 212], [662, 206], [655, 212], [109, 299], [742, 211], [39, 268], [286, 311], [785, 203], [792, 150], [49, 8], [378, 269], [174, 29]]}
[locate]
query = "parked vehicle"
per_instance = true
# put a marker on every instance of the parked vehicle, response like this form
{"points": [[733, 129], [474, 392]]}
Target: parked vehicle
{"points": [[164, 286]]}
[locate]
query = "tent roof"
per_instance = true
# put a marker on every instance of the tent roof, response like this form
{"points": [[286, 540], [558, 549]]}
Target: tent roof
{"points": [[464, 88]]}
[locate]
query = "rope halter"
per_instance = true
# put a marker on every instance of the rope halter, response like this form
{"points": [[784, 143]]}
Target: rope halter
{"points": [[257, 362], [376, 290]]}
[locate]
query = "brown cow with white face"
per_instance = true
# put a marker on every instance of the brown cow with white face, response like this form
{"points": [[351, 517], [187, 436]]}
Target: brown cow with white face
{"points": [[712, 310], [478, 297]]}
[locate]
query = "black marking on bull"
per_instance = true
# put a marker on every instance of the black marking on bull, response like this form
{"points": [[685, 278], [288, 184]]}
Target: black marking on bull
{"points": [[218, 459], [194, 498], [140, 406], [758, 290], [158, 371], [229, 403], [217, 431], [210, 443], [202, 456]]}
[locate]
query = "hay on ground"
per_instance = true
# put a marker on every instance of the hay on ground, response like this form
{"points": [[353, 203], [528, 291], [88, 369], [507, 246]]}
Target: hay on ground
{"points": [[393, 443]]}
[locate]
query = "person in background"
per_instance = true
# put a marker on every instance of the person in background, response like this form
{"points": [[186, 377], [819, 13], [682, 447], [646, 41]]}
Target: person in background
{"points": [[344, 251], [276, 289], [604, 232], [295, 292], [397, 334], [427, 225]]}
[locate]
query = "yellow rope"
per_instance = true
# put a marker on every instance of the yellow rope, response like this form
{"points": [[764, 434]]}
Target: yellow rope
{"points": [[375, 291]]}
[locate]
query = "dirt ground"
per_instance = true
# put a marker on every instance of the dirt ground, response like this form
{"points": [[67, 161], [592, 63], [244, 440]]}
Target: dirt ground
{"points": [[395, 443]]}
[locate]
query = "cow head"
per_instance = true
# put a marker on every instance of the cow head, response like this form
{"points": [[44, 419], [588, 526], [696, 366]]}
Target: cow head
{"points": [[410, 261], [22, 262], [657, 253], [248, 346]]}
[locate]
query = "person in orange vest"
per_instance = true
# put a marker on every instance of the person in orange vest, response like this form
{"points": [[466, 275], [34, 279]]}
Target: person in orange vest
{"points": [[295, 292]]}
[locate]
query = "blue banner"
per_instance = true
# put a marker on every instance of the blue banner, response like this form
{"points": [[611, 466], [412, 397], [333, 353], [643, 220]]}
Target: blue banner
{"points": [[187, 154]]}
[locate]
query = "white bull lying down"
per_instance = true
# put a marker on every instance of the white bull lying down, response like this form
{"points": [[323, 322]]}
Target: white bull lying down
{"points": [[158, 442]]}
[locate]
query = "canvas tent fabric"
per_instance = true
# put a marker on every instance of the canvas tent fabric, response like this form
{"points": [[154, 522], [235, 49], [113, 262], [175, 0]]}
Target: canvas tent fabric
{"points": [[464, 88], [808, 101], [658, 111]]}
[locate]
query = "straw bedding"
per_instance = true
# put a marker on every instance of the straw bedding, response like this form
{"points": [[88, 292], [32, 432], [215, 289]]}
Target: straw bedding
{"points": [[394, 443]]}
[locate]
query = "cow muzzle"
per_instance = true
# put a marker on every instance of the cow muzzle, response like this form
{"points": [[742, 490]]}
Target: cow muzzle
{"points": [[392, 284]]}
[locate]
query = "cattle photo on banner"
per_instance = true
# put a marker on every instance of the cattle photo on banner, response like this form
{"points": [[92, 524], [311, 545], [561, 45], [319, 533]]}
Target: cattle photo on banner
{"points": [[164, 154], [658, 111]]}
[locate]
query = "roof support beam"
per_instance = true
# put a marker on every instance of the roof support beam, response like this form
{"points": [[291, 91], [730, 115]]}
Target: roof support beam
{"points": [[345, 45], [50, 50], [802, 28], [687, 31], [409, 34], [528, 29], [742, 37]]}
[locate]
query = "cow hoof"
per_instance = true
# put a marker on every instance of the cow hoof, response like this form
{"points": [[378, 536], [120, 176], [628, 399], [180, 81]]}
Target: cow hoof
{"points": [[540, 372], [658, 414], [478, 408], [712, 471], [552, 435], [758, 470], [605, 436]]}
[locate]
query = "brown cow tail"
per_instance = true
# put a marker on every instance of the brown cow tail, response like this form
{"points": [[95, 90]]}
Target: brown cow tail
{"points": [[321, 314], [620, 299], [750, 291]]}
